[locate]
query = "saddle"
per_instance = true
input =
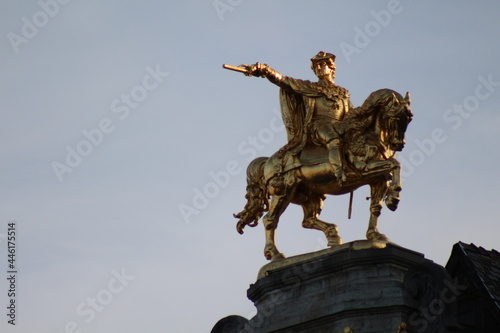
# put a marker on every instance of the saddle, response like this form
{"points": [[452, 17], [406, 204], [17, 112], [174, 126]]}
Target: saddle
{"points": [[283, 161], [313, 154]]}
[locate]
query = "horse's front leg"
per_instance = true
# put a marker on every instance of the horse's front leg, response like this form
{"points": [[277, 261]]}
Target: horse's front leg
{"points": [[392, 198], [271, 251], [394, 167], [378, 191]]}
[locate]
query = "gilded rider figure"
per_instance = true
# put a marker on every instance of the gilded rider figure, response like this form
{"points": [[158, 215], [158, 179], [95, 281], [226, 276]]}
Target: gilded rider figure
{"points": [[312, 110]]}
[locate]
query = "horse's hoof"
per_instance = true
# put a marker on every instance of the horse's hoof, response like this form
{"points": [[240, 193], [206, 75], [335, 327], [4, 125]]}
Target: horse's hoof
{"points": [[377, 236], [382, 238], [278, 256], [268, 254], [334, 241], [392, 203], [273, 254]]}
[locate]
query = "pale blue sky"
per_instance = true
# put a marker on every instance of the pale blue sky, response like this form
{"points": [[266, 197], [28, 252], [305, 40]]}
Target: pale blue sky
{"points": [[148, 75]]}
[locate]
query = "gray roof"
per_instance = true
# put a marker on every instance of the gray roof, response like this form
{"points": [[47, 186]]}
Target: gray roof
{"points": [[482, 266]]}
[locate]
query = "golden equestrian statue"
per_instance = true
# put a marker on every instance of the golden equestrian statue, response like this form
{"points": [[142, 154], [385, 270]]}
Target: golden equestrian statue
{"points": [[333, 148]]}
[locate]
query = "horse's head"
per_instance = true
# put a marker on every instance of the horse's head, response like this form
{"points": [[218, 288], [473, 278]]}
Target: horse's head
{"points": [[393, 120]]}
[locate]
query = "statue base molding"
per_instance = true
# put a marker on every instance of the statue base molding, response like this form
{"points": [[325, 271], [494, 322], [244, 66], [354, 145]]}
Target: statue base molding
{"points": [[358, 287], [351, 246]]}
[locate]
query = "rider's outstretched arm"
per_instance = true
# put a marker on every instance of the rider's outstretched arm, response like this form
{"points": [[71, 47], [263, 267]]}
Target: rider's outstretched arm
{"points": [[302, 87]]}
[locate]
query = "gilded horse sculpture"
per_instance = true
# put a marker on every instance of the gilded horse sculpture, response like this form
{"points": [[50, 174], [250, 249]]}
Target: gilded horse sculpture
{"points": [[333, 148]]}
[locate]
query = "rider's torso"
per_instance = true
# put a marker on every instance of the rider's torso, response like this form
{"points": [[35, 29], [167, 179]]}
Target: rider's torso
{"points": [[327, 109]]}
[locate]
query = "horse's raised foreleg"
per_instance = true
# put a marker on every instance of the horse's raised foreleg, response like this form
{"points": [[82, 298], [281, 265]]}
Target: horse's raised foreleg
{"points": [[394, 167], [277, 206], [312, 207], [392, 198], [378, 191]]}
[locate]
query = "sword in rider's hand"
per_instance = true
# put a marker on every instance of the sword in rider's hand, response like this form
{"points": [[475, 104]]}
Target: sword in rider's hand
{"points": [[235, 68]]}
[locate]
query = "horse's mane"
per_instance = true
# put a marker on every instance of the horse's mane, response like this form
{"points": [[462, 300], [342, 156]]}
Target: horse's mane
{"points": [[361, 120], [362, 117]]}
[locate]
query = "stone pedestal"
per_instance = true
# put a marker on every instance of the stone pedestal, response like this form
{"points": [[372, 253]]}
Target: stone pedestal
{"points": [[360, 287]]}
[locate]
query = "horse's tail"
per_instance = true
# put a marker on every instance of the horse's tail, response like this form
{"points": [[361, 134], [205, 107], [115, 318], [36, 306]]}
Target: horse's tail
{"points": [[257, 195]]}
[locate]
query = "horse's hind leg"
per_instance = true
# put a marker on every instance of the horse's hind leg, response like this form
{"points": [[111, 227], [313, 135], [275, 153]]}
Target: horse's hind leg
{"points": [[312, 206], [277, 206], [378, 191]]}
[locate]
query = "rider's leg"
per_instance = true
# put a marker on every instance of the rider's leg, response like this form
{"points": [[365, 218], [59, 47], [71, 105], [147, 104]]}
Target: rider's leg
{"points": [[328, 135], [336, 160]]}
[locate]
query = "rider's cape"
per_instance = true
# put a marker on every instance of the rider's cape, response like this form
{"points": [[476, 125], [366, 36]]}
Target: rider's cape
{"points": [[296, 112], [298, 101]]}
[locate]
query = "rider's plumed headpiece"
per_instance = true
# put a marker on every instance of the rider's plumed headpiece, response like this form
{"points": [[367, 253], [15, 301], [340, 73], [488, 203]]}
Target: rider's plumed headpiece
{"points": [[323, 56]]}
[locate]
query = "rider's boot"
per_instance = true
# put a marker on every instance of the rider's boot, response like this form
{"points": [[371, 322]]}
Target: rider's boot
{"points": [[336, 162]]}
